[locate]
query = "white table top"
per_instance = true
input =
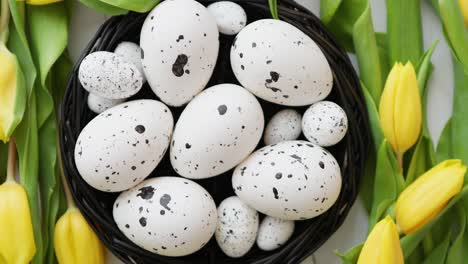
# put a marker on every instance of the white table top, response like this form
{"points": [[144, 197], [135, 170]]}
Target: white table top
{"points": [[86, 21]]}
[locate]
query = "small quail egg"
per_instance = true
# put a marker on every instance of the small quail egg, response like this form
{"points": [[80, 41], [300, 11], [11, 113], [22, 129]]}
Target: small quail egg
{"points": [[324, 123], [273, 233], [131, 52], [99, 104], [283, 126], [230, 17]]}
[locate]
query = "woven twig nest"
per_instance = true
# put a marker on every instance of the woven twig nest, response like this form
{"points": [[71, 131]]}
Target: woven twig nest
{"points": [[310, 234]]}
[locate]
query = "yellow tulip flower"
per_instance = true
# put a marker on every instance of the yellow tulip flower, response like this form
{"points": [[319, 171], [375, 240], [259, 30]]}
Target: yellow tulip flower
{"points": [[426, 197], [464, 10], [42, 2], [382, 245], [400, 108], [75, 241], [17, 244], [11, 98]]}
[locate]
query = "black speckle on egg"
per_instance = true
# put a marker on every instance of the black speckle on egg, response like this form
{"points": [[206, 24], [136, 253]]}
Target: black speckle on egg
{"points": [[222, 109], [275, 193], [142, 54], [181, 37], [162, 212], [254, 45], [146, 192], [322, 165], [140, 129], [127, 226], [278, 175], [133, 167], [179, 64], [142, 221], [188, 146]]}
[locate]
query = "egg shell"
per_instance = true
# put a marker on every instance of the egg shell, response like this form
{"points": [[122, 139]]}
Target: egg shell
{"points": [[217, 130], [292, 180], [283, 126], [109, 75], [274, 232], [131, 52], [237, 227], [279, 63], [99, 104], [179, 41], [230, 17], [325, 123], [170, 216], [121, 146]]}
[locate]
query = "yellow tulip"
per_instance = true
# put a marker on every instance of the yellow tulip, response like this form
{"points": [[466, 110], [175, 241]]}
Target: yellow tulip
{"points": [[464, 10], [17, 244], [382, 245], [11, 95], [423, 200], [400, 108], [42, 2], [75, 241]]}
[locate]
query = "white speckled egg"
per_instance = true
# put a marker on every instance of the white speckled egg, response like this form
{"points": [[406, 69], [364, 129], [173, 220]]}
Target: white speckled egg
{"points": [[218, 129], [230, 17], [169, 216], [292, 180], [274, 232], [179, 41], [325, 123], [99, 104], [237, 227], [283, 126], [131, 52], [279, 63], [121, 146], [109, 75]]}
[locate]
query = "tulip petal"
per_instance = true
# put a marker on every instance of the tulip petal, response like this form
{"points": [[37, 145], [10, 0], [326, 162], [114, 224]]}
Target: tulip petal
{"points": [[42, 2], [387, 102], [423, 200], [75, 241], [464, 10], [12, 93], [16, 239], [408, 110], [382, 245]]}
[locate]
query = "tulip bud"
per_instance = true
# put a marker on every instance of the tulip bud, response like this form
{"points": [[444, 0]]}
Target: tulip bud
{"points": [[75, 241], [464, 10], [16, 231], [10, 103], [382, 245], [400, 108], [423, 200], [41, 2]]}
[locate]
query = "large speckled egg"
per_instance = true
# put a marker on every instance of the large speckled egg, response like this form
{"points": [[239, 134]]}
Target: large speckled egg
{"points": [[121, 146], [99, 104], [279, 63], [325, 123], [292, 180], [131, 52], [218, 129], [230, 17], [283, 126], [169, 216], [274, 232], [179, 41], [237, 227], [108, 75]]}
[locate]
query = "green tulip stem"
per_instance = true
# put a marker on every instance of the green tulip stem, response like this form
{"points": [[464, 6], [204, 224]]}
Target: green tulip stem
{"points": [[399, 157], [11, 167], [66, 188], [4, 20]]}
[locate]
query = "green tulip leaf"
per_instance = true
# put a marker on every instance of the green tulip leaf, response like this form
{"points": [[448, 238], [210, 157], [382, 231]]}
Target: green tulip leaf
{"points": [[439, 254], [273, 8], [104, 8], [404, 31], [386, 187], [328, 9], [352, 256], [141, 6], [457, 253], [444, 147]]}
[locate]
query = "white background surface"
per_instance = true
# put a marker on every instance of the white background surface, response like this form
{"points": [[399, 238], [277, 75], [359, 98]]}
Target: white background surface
{"points": [[86, 21]]}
